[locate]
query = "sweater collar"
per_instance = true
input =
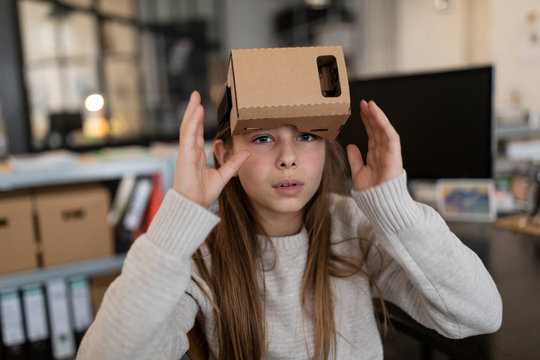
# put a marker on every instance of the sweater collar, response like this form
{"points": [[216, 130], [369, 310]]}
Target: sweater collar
{"points": [[286, 242]]}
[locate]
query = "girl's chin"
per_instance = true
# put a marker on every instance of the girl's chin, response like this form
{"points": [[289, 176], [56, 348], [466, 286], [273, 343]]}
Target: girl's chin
{"points": [[278, 204], [289, 206]]}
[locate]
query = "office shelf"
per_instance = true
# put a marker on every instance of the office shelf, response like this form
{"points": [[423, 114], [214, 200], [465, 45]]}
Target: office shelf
{"points": [[79, 169], [88, 268], [514, 132], [96, 171]]}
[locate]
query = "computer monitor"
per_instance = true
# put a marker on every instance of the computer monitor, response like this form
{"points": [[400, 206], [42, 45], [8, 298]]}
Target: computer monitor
{"points": [[444, 120]]}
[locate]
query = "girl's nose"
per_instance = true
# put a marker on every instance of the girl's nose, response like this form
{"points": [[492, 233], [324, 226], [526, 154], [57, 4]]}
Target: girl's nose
{"points": [[287, 157], [287, 164]]}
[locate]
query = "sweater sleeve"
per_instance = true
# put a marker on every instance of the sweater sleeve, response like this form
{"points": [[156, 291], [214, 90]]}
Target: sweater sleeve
{"points": [[146, 312], [424, 268]]}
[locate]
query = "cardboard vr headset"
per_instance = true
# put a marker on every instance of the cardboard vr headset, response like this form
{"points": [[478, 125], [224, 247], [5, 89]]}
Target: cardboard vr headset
{"points": [[306, 87]]}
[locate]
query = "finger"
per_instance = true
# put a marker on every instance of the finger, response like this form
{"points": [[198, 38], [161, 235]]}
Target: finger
{"points": [[194, 100], [375, 137], [231, 166], [199, 136], [364, 115], [374, 123], [371, 133], [390, 139], [355, 158], [188, 134], [380, 120]]}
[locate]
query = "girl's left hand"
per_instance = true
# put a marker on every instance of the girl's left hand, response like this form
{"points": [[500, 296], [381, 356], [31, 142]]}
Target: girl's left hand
{"points": [[383, 161]]}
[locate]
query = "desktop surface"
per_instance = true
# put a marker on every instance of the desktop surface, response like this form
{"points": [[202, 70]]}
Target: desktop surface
{"points": [[513, 260]]}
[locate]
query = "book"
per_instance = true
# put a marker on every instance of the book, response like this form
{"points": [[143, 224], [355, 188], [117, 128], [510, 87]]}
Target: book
{"points": [[121, 199], [134, 214], [156, 197]]}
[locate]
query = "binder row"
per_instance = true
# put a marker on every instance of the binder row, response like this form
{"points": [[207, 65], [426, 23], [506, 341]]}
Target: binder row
{"points": [[45, 321]]}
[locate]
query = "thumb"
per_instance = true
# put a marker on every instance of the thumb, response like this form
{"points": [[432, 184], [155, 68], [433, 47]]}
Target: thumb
{"points": [[355, 158], [231, 166]]}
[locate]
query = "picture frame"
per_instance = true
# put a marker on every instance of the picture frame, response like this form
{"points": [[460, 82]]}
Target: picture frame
{"points": [[470, 200]]}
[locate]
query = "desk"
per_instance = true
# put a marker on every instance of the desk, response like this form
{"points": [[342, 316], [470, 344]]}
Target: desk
{"points": [[513, 260]]}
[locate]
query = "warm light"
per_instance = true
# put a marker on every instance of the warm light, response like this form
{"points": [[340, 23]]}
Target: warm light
{"points": [[317, 4], [95, 127], [94, 102]]}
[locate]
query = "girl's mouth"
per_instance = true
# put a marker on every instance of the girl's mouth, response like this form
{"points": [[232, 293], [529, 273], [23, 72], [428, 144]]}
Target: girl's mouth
{"points": [[288, 187]]}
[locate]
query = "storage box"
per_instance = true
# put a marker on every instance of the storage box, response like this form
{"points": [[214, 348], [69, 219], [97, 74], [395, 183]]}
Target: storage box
{"points": [[72, 224], [18, 249], [98, 288], [305, 86]]}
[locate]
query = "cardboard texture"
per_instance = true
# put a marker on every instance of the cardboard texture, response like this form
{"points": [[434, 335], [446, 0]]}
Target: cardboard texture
{"points": [[18, 250], [305, 86], [72, 224]]}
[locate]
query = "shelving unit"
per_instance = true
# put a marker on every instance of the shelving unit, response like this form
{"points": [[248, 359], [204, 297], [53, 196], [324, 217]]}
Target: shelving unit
{"points": [[87, 268], [94, 170], [513, 132]]}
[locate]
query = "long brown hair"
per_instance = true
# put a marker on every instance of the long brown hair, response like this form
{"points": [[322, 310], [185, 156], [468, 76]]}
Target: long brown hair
{"points": [[235, 264]]}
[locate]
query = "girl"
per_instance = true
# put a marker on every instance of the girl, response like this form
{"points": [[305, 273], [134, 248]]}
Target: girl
{"points": [[287, 269]]}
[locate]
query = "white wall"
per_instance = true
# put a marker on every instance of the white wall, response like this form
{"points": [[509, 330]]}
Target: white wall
{"points": [[430, 39], [479, 45], [375, 36], [471, 33], [400, 36], [518, 65]]}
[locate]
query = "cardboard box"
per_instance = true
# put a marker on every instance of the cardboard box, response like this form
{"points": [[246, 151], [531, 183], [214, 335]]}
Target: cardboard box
{"points": [[98, 288], [18, 249], [305, 86], [72, 224]]}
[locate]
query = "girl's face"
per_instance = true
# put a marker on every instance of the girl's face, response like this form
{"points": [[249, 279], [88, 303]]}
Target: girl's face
{"points": [[284, 170]]}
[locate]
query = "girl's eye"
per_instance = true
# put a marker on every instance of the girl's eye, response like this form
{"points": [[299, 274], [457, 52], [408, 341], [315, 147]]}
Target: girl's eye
{"points": [[262, 139], [307, 137]]}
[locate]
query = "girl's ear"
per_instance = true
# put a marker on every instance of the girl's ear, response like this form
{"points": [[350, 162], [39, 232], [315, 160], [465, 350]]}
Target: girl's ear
{"points": [[220, 152]]}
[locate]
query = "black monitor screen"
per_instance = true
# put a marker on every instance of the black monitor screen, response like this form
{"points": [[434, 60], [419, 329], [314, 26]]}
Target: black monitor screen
{"points": [[444, 120]]}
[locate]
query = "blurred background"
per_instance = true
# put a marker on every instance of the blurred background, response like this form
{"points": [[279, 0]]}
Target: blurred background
{"points": [[87, 73], [92, 93]]}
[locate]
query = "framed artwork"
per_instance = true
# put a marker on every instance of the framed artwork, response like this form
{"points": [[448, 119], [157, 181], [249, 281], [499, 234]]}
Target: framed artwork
{"points": [[466, 199]]}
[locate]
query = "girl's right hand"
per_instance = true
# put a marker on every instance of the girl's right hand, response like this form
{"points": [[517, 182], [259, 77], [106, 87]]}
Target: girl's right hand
{"points": [[193, 178]]}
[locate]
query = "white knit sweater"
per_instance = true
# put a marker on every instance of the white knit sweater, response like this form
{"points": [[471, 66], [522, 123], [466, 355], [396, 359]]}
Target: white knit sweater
{"points": [[148, 310]]}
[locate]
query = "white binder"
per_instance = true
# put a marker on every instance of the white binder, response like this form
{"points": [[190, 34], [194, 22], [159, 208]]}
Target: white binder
{"points": [[11, 317], [35, 313], [81, 303], [62, 338]]}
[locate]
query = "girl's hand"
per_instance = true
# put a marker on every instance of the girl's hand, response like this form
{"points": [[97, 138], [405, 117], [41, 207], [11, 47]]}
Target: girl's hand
{"points": [[383, 160], [193, 178]]}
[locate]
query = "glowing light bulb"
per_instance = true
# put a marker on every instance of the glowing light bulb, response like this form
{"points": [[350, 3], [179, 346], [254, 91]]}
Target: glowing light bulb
{"points": [[94, 102]]}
